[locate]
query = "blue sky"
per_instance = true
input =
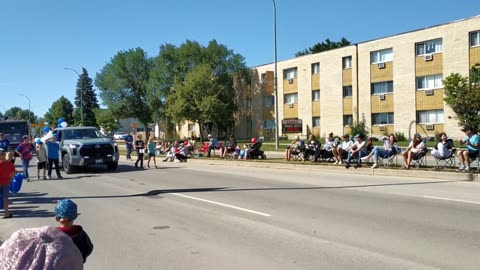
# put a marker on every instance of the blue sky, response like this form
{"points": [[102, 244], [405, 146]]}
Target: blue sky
{"points": [[39, 38]]}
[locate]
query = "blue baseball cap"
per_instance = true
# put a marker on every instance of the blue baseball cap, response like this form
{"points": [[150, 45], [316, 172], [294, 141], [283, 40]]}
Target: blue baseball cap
{"points": [[66, 208]]}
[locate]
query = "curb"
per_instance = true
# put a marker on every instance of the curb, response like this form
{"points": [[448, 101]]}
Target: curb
{"points": [[442, 175]]}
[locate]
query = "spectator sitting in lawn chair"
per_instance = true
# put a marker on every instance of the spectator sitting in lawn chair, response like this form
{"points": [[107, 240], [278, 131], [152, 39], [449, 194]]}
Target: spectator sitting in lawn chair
{"points": [[357, 151], [341, 152], [388, 150], [229, 147], [293, 149], [414, 151], [212, 144], [327, 151], [311, 148], [472, 140]]}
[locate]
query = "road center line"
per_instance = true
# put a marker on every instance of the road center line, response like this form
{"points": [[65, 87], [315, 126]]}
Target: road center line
{"points": [[223, 204], [447, 199]]}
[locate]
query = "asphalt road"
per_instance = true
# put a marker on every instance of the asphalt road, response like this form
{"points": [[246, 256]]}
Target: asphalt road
{"points": [[199, 216]]}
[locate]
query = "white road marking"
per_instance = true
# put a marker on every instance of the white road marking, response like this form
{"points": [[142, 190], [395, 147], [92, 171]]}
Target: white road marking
{"points": [[447, 199], [223, 204]]}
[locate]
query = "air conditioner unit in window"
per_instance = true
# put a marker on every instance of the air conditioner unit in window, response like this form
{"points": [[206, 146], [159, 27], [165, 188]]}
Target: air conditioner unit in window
{"points": [[290, 81], [381, 97], [290, 105], [430, 127], [428, 57], [381, 65], [429, 92], [381, 128]]}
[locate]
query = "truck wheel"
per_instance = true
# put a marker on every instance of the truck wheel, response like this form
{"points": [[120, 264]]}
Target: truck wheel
{"points": [[112, 166], [66, 164]]}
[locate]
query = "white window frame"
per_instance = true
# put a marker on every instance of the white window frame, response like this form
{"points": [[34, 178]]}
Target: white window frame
{"points": [[288, 98], [388, 115], [347, 62], [436, 82], [269, 124], [382, 83], [381, 56], [436, 44], [436, 115], [316, 68], [316, 121], [315, 96], [477, 34], [269, 104], [290, 73]]}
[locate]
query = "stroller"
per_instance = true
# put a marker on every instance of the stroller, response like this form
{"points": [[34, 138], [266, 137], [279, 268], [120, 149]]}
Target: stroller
{"points": [[254, 152]]}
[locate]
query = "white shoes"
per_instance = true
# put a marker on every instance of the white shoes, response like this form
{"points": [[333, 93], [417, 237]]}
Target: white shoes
{"points": [[375, 166]]}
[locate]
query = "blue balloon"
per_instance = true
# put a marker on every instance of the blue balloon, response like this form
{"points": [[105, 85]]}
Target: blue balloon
{"points": [[59, 125], [38, 141], [16, 183], [46, 129], [60, 120]]}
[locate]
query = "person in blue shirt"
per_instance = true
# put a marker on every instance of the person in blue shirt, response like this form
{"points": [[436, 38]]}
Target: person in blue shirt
{"points": [[211, 145], [472, 140], [53, 149], [129, 145], [4, 142]]}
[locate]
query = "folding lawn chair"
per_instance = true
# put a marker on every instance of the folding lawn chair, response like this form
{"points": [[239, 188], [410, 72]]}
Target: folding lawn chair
{"points": [[444, 162]]}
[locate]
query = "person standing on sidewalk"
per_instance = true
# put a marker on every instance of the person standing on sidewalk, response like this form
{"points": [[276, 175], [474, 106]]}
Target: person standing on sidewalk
{"points": [[53, 148], [25, 151], [140, 147], [129, 145], [41, 159]]}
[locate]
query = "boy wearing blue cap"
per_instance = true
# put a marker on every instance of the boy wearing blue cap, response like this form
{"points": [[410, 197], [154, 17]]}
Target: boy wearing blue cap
{"points": [[65, 214]]}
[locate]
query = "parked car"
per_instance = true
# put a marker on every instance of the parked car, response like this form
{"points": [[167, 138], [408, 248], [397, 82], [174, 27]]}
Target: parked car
{"points": [[119, 136]]}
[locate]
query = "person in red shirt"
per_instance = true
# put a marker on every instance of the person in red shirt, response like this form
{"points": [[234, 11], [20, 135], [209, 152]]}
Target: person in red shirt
{"points": [[25, 151], [7, 171]]}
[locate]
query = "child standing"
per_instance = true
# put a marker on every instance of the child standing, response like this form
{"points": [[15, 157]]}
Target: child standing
{"points": [[41, 159], [53, 149], [140, 147], [65, 214], [151, 152], [7, 171]]}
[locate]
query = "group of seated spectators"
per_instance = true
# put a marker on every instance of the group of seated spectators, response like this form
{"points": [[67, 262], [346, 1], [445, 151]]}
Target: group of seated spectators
{"points": [[354, 152]]}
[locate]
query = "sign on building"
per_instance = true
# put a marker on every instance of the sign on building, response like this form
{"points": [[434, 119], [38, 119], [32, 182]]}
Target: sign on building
{"points": [[292, 126]]}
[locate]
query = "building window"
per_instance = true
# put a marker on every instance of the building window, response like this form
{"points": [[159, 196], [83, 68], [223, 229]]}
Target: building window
{"points": [[475, 39], [382, 87], [289, 74], [429, 47], [430, 82], [347, 91], [315, 68], [269, 124], [430, 117], [382, 118], [263, 77], [268, 101], [382, 56], [249, 103], [316, 122], [347, 62], [347, 120], [191, 127], [316, 95], [291, 98]]}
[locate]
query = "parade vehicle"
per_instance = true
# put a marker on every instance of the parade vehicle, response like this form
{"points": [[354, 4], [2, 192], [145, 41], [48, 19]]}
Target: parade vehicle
{"points": [[13, 131], [84, 146]]}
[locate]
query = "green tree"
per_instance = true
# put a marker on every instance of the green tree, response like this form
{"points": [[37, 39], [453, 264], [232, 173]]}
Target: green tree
{"points": [[62, 108], [124, 84], [106, 120], [19, 113], [324, 46], [462, 94], [178, 69], [85, 92]]}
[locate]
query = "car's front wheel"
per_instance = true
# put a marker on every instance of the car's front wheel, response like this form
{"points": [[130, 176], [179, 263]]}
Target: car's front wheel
{"points": [[112, 166], [66, 164]]}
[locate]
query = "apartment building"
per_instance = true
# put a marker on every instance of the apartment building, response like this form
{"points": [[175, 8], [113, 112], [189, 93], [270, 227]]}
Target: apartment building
{"points": [[393, 83]]}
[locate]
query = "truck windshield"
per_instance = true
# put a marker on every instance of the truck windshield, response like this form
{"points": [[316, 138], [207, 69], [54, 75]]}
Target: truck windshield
{"points": [[72, 134]]}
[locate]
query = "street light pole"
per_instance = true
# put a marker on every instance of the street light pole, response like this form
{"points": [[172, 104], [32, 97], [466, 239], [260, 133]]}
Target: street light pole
{"points": [[81, 96], [275, 86], [29, 113]]}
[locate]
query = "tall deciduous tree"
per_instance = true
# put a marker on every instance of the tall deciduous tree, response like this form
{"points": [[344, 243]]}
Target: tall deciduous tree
{"points": [[106, 120], [19, 113], [197, 83], [123, 85], [62, 108], [324, 46], [462, 94], [87, 99]]}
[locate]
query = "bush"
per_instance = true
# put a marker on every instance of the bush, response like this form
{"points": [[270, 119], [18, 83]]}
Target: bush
{"points": [[400, 136], [358, 128]]}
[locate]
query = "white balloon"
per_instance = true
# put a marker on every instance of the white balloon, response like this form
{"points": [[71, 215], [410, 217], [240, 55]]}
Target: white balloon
{"points": [[64, 124]]}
